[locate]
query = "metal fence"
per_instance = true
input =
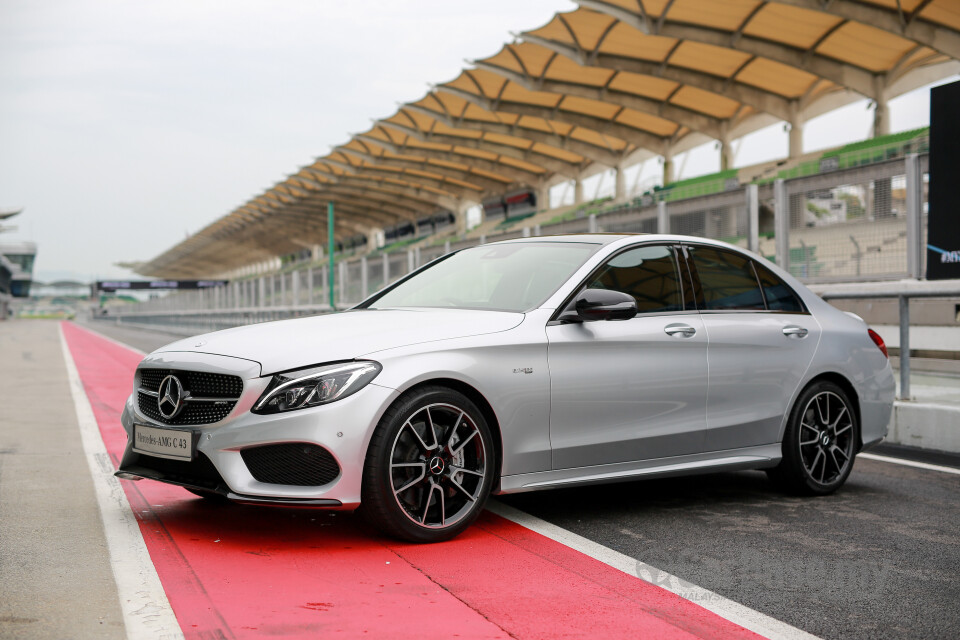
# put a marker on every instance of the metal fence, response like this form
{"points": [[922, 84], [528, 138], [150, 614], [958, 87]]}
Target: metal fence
{"points": [[857, 224], [862, 223]]}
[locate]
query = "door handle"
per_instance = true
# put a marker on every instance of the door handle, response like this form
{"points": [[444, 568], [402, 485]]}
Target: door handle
{"points": [[793, 331], [683, 330]]}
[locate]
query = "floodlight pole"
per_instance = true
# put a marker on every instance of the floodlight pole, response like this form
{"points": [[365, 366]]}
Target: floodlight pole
{"points": [[330, 246]]}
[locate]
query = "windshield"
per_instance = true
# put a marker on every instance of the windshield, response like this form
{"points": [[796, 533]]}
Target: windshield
{"points": [[503, 277]]}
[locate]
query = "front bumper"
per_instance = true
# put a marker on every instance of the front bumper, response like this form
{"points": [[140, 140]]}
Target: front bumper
{"points": [[343, 428]]}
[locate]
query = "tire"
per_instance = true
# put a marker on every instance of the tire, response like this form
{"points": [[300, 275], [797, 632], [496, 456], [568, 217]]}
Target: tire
{"points": [[428, 489], [819, 443]]}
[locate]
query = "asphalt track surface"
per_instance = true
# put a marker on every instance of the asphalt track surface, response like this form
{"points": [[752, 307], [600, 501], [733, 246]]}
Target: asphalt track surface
{"points": [[878, 559]]}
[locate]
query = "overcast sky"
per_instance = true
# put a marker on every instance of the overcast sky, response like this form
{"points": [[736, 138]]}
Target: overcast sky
{"points": [[126, 125]]}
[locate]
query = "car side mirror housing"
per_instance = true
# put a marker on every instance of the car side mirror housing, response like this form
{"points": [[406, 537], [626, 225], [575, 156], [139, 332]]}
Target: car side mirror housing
{"points": [[591, 305]]}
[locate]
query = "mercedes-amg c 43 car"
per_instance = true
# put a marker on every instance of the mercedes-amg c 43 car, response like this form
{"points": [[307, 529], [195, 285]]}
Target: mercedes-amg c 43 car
{"points": [[515, 366]]}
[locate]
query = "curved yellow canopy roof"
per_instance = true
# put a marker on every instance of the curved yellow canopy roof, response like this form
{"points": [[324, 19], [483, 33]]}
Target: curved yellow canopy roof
{"points": [[607, 83]]}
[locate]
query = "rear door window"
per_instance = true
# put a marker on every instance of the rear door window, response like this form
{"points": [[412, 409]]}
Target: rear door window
{"points": [[727, 279]]}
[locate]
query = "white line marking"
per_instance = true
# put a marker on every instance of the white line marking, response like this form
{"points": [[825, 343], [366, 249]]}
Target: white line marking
{"points": [[146, 611], [909, 463], [109, 339], [728, 609]]}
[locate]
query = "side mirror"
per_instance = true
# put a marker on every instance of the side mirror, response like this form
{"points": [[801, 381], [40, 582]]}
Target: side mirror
{"points": [[600, 304]]}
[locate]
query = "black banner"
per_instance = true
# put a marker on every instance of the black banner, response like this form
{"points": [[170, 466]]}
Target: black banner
{"points": [[140, 285], [943, 226]]}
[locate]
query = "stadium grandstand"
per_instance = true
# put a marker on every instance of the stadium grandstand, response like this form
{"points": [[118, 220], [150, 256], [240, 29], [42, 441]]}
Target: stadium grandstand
{"points": [[599, 89]]}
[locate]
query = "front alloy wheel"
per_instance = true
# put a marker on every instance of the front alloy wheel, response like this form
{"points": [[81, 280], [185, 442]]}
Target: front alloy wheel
{"points": [[429, 468], [820, 441]]}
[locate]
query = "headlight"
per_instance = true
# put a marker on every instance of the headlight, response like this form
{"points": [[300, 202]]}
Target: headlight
{"points": [[315, 386]]}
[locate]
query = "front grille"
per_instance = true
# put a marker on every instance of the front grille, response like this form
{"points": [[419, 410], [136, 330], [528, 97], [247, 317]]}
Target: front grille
{"points": [[222, 390], [192, 413], [198, 472], [199, 383], [295, 463]]}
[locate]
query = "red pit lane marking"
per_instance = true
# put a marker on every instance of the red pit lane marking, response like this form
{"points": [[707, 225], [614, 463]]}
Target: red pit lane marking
{"points": [[248, 571]]}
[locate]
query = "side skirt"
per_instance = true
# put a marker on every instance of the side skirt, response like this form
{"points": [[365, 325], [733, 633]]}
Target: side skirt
{"points": [[760, 457]]}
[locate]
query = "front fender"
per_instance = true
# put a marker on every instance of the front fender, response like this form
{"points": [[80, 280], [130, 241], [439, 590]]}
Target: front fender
{"points": [[509, 369]]}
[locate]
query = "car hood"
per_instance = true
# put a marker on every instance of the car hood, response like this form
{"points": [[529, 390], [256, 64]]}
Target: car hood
{"points": [[288, 344]]}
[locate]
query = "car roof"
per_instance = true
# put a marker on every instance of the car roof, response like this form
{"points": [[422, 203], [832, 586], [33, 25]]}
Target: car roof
{"points": [[588, 238], [604, 239]]}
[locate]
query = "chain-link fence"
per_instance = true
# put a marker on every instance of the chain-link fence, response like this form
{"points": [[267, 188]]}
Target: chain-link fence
{"points": [[849, 225], [841, 225]]}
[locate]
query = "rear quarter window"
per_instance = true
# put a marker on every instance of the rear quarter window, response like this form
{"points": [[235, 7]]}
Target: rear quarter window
{"points": [[779, 295]]}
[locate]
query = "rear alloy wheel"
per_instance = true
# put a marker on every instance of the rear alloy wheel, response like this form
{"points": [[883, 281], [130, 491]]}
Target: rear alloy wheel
{"points": [[820, 441], [429, 468]]}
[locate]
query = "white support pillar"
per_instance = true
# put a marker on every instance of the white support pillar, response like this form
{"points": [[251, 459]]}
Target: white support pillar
{"points": [[543, 196], [726, 154], [663, 218], [310, 286], [619, 184], [324, 279], [342, 273], [667, 167], [577, 191], [364, 279], [374, 239], [262, 285], [295, 288], [753, 218], [460, 215], [781, 223], [795, 148], [795, 131], [881, 108]]}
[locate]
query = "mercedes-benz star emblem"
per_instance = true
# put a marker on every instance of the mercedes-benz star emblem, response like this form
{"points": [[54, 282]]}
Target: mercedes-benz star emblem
{"points": [[436, 466], [170, 398]]}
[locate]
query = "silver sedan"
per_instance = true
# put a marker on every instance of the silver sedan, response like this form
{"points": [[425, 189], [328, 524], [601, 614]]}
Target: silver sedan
{"points": [[515, 366]]}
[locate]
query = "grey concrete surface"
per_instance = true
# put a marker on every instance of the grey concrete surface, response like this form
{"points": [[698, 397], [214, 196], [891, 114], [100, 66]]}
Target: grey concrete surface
{"points": [[55, 575], [878, 559], [145, 340]]}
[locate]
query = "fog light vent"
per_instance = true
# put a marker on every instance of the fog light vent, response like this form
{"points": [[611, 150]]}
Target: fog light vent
{"points": [[294, 463]]}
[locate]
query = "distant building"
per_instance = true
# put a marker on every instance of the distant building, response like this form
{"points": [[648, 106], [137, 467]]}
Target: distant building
{"points": [[6, 285], [16, 266], [20, 256]]}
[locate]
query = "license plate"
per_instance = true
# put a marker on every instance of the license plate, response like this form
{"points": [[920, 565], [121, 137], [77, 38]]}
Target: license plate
{"points": [[166, 443]]}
